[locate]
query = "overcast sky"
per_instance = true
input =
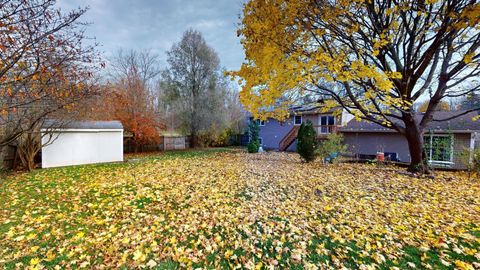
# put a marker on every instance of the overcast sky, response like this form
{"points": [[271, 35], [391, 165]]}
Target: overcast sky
{"points": [[157, 24]]}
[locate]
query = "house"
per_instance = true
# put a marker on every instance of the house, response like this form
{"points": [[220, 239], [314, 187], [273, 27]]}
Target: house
{"points": [[81, 142], [282, 135], [444, 141]]}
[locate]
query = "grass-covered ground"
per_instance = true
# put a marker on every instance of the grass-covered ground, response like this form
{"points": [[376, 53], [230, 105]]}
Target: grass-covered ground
{"points": [[224, 209]]}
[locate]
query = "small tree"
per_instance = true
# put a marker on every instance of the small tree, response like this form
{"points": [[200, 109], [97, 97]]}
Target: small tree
{"points": [[253, 130], [307, 142], [332, 146]]}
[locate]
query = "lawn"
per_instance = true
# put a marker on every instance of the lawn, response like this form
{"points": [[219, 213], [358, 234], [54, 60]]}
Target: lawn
{"points": [[230, 209]]}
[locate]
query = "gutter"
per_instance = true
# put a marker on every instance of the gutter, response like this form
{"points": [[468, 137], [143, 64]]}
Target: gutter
{"points": [[66, 130]]}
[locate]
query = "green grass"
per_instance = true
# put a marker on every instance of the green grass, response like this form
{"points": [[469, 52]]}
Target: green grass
{"points": [[171, 191]]}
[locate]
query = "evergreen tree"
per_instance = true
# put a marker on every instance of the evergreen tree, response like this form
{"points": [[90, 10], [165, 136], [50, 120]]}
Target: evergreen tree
{"points": [[307, 142], [253, 130]]}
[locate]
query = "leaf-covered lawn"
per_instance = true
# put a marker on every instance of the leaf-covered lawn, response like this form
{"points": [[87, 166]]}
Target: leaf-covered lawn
{"points": [[238, 210]]}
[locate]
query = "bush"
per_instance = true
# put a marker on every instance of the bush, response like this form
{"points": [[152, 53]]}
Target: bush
{"points": [[307, 142], [253, 130], [215, 137], [253, 147], [330, 149], [471, 159], [222, 138]]}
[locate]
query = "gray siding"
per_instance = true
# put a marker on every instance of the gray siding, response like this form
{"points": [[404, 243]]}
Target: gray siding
{"points": [[477, 140], [460, 143], [371, 143]]}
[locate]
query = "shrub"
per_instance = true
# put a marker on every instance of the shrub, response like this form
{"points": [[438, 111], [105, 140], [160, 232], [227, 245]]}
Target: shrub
{"points": [[307, 142], [471, 159], [253, 130], [330, 149], [222, 138], [253, 147], [215, 137]]}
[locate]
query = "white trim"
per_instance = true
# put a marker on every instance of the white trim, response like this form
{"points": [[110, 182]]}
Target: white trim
{"points": [[327, 125], [430, 154], [472, 146], [261, 123], [295, 122]]}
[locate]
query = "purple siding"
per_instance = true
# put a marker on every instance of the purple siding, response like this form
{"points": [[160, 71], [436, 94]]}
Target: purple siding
{"points": [[274, 131]]}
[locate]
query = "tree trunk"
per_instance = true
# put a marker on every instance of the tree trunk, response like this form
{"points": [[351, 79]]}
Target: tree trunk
{"points": [[27, 149], [414, 136], [2, 156], [193, 139], [31, 161]]}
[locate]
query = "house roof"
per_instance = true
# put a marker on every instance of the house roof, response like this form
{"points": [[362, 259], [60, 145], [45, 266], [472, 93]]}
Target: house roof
{"points": [[82, 124], [311, 109], [462, 124]]}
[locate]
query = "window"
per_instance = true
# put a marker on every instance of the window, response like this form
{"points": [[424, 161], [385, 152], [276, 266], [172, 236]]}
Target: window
{"points": [[260, 141], [297, 120], [439, 148], [326, 124], [259, 122]]}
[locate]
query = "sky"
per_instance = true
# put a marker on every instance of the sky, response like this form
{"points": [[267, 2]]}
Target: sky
{"points": [[156, 24]]}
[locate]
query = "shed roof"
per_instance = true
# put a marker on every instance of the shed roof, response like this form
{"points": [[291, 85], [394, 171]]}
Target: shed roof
{"points": [[463, 124], [56, 124]]}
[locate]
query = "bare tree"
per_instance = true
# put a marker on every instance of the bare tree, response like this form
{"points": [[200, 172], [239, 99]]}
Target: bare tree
{"points": [[45, 67], [129, 96], [192, 84], [145, 65]]}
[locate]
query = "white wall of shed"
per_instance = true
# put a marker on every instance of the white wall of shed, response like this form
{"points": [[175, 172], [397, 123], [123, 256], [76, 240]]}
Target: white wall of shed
{"points": [[76, 147]]}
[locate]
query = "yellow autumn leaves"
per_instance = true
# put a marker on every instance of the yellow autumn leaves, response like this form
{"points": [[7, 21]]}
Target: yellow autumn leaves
{"points": [[353, 51], [237, 210]]}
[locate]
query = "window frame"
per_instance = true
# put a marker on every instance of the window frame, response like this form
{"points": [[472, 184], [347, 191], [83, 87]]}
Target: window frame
{"points": [[429, 148], [327, 125], [261, 123], [295, 120]]}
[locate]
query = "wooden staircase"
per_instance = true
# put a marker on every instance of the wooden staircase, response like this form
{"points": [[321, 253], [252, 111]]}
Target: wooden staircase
{"points": [[288, 139]]}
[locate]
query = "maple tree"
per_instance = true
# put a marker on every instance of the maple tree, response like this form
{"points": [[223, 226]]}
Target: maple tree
{"points": [[129, 97], [131, 103], [374, 58], [224, 210], [45, 67]]}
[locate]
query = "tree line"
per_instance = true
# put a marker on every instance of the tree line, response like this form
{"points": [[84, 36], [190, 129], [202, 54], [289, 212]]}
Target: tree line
{"points": [[50, 70]]}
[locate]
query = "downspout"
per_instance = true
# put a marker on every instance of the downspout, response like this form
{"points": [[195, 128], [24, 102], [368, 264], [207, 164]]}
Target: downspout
{"points": [[472, 145]]}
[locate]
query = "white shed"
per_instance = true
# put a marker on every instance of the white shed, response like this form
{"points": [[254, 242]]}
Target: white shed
{"points": [[82, 142]]}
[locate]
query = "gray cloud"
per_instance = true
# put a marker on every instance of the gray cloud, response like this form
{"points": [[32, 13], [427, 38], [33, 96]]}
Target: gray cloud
{"points": [[157, 24]]}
